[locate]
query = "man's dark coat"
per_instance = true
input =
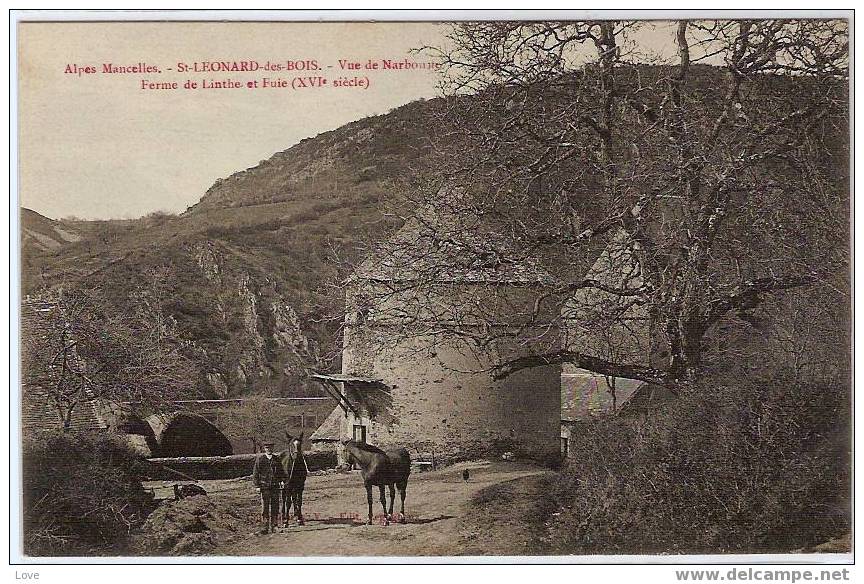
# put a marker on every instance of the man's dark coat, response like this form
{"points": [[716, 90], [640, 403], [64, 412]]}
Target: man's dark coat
{"points": [[267, 474]]}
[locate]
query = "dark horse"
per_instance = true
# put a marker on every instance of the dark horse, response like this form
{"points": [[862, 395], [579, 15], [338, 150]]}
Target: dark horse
{"points": [[381, 469], [296, 470]]}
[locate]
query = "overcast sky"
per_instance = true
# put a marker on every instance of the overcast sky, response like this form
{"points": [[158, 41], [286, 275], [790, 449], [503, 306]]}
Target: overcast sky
{"points": [[98, 146]]}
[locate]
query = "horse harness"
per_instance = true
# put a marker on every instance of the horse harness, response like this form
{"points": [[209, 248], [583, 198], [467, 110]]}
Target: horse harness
{"points": [[293, 462]]}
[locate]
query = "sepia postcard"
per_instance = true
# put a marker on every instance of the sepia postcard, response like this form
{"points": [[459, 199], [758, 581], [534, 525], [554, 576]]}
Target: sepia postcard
{"points": [[507, 287]]}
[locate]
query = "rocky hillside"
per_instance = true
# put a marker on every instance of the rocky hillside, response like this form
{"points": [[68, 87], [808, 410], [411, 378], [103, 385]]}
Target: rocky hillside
{"points": [[350, 164], [253, 268], [40, 233]]}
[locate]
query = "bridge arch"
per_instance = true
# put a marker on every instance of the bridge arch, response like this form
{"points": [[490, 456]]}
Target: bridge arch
{"points": [[134, 426], [188, 434]]}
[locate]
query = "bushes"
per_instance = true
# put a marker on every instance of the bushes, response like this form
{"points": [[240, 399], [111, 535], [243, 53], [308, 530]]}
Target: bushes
{"points": [[758, 467], [81, 494]]}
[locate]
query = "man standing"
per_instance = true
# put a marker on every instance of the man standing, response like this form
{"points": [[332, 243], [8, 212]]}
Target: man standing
{"points": [[268, 476]]}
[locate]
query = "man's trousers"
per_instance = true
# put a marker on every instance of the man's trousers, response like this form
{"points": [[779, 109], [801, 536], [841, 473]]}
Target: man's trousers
{"points": [[270, 505]]}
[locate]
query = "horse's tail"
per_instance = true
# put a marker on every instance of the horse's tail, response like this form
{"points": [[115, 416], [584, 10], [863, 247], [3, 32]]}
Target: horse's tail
{"points": [[406, 459]]}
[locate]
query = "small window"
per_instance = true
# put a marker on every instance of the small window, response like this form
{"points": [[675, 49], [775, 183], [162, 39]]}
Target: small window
{"points": [[359, 433], [565, 447]]}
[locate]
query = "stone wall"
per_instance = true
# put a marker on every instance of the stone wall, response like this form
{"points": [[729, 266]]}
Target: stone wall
{"points": [[441, 398]]}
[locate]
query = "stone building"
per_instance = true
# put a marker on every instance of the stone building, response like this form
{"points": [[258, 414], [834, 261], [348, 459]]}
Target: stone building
{"points": [[424, 325], [614, 327]]}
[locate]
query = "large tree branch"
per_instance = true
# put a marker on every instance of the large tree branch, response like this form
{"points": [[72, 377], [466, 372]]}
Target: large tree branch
{"points": [[588, 362], [597, 285], [748, 295], [601, 228]]}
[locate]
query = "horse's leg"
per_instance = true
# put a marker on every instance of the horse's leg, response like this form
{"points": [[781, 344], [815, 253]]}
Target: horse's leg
{"points": [[383, 503], [392, 501], [281, 507], [286, 507], [369, 500], [289, 499], [298, 505], [402, 488]]}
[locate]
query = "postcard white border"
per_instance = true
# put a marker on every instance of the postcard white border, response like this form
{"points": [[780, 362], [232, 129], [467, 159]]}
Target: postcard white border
{"points": [[815, 561]]}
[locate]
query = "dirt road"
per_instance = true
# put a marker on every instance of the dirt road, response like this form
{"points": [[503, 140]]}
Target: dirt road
{"points": [[438, 509]]}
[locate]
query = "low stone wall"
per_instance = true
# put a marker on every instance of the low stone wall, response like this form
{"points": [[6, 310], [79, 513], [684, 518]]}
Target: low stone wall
{"points": [[221, 467]]}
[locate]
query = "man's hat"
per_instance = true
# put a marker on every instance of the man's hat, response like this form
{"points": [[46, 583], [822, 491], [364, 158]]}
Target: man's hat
{"points": [[268, 444]]}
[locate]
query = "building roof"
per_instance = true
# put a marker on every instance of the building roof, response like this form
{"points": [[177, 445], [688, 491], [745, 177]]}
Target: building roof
{"points": [[330, 429], [38, 414], [584, 394], [616, 266], [441, 245], [646, 397]]}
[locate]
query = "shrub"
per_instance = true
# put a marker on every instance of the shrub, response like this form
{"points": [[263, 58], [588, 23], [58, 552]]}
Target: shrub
{"points": [[758, 467], [81, 493]]}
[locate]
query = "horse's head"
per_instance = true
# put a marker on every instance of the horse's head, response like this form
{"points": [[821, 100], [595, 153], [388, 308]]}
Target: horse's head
{"points": [[349, 446], [296, 442]]}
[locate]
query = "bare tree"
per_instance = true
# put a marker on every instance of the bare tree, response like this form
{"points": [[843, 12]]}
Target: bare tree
{"points": [[646, 198], [259, 420], [76, 350]]}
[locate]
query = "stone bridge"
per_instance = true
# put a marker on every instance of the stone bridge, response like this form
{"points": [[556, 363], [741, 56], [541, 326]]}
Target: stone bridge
{"points": [[210, 427]]}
